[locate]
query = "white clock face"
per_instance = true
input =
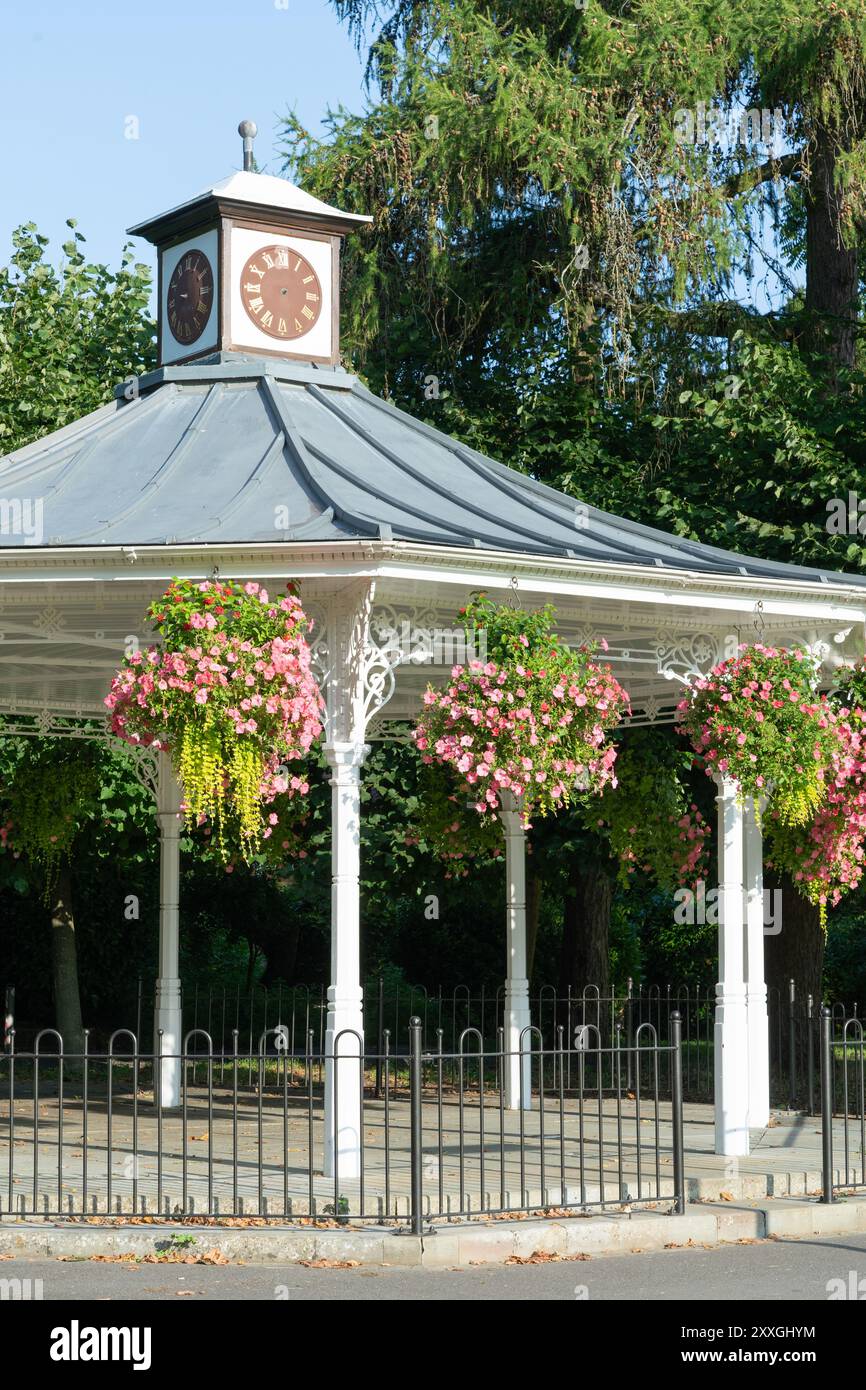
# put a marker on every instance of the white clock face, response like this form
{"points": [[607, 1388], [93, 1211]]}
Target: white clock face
{"points": [[280, 295], [185, 328]]}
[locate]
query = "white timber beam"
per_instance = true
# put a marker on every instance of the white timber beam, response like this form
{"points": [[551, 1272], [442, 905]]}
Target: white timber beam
{"points": [[731, 1046], [167, 1023], [517, 1063]]}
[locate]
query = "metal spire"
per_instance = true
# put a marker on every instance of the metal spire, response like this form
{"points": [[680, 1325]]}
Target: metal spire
{"points": [[248, 130]]}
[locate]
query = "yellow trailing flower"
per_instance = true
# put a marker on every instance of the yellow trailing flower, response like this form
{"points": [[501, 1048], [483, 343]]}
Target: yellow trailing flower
{"points": [[797, 805]]}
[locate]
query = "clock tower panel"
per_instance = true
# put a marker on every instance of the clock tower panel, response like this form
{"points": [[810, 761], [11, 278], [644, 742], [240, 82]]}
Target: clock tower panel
{"points": [[280, 292], [189, 287]]}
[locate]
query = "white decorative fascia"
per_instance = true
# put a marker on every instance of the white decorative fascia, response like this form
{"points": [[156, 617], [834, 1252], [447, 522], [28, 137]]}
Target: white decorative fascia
{"points": [[395, 559], [27, 719]]}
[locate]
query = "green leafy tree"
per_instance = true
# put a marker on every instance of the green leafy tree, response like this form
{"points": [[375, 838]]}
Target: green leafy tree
{"points": [[561, 244], [68, 334], [57, 797]]}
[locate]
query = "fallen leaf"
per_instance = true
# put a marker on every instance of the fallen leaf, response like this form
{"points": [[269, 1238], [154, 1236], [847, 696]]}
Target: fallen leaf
{"points": [[538, 1257], [329, 1264]]}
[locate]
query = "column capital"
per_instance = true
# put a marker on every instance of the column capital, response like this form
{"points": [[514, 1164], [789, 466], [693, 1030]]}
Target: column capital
{"points": [[511, 812], [345, 757], [169, 793], [355, 669], [170, 824]]}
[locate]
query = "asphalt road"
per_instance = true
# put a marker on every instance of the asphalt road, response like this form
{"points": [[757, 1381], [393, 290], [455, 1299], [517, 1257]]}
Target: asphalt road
{"points": [[764, 1271]]}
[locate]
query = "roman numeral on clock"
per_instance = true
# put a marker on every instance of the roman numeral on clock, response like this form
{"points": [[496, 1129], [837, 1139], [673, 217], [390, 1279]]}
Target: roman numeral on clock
{"points": [[280, 292]]}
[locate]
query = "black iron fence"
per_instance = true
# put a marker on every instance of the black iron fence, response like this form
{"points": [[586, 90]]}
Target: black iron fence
{"points": [[793, 1022], [843, 1104], [93, 1135], [238, 1016]]}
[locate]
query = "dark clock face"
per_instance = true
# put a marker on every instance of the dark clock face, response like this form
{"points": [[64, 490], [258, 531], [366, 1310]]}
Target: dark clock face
{"points": [[190, 296], [281, 292]]}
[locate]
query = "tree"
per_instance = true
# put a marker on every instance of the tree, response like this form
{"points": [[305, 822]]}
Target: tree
{"points": [[561, 236], [68, 335], [56, 796]]}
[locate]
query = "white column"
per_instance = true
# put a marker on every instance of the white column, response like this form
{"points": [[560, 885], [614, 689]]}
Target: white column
{"points": [[518, 1068], [731, 1036], [756, 989], [167, 1011], [343, 1077]]}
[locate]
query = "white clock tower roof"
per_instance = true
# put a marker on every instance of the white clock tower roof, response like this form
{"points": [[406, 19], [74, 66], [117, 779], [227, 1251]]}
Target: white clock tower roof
{"points": [[256, 191]]}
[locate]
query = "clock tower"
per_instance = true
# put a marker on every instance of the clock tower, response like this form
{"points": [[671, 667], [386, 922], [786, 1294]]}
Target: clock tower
{"points": [[250, 265]]}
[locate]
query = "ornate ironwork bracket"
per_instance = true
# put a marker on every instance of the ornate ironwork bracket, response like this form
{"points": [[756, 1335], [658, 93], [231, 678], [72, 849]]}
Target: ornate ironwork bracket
{"points": [[353, 660]]}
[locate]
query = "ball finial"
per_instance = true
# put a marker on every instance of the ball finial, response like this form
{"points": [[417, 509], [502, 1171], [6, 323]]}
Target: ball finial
{"points": [[248, 130]]}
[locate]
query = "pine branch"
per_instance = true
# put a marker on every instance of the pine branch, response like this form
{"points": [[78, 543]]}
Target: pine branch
{"points": [[749, 179]]}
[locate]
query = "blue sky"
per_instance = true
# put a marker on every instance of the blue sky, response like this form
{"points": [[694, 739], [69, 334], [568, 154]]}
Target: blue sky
{"points": [[188, 71]]}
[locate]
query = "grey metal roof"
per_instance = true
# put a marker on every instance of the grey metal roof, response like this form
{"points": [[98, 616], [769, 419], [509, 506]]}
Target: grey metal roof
{"points": [[238, 449]]}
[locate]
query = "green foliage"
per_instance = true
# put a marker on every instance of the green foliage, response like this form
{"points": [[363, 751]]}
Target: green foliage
{"points": [[522, 167], [511, 633], [448, 827], [845, 961], [52, 793], [650, 819], [755, 457], [67, 335]]}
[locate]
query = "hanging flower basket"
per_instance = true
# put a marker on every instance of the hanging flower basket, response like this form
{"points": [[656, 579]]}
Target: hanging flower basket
{"points": [[758, 720], [531, 718], [230, 696], [825, 859]]}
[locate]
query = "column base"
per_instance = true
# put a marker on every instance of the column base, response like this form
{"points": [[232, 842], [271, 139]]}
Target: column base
{"points": [[731, 1057], [344, 1045], [167, 1018], [517, 1063]]}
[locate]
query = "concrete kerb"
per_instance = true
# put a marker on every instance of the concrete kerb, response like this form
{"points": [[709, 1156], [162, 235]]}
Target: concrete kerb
{"points": [[455, 1243]]}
